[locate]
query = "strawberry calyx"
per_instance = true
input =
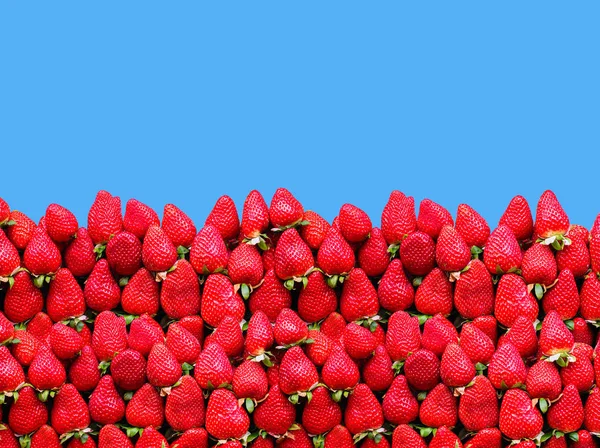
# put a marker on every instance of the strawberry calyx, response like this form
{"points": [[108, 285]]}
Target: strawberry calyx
{"points": [[334, 280], [454, 276], [397, 367], [424, 431], [130, 431], [182, 251], [44, 395], [374, 434], [8, 222], [573, 436], [264, 357], [562, 358], [260, 240], [558, 242], [40, 280], [14, 394], [393, 250], [290, 283], [162, 276], [100, 250], [476, 252], [246, 289], [421, 317], [300, 223], [370, 322], [80, 434], [77, 323], [295, 397], [10, 279]]}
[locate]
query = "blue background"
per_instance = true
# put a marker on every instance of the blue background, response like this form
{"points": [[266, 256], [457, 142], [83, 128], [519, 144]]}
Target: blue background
{"points": [[338, 101]]}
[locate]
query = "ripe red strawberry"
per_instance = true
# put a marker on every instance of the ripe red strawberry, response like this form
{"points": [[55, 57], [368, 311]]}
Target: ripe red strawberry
{"points": [[445, 438], [417, 253], [451, 251], [538, 265], [180, 293], [550, 218], [9, 256], [41, 256], [321, 413], [359, 342], [162, 369], [439, 408], [224, 217], [471, 226], [502, 252], [403, 336], [422, 370], [183, 344], [314, 232], [102, 292], [318, 351], [293, 257], [110, 436], [213, 368], [151, 438], [523, 336], [434, 294], [276, 414], [271, 297], [513, 300], [517, 217], [590, 298], [563, 297], [399, 405], [209, 253], [40, 325], [124, 253], [141, 294], [592, 411], [296, 372], [110, 335], [373, 256], [26, 349], [255, 218], [69, 411], [576, 256], [250, 381], [228, 335], [456, 369], [378, 373], [489, 325], [259, 336], [104, 217], [363, 411], [195, 325], [144, 333], [333, 326], [28, 413], [7, 329], [437, 333], [145, 408], [317, 300], [21, 231], [398, 218], [65, 297], [359, 297], [486, 438], [220, 300], [245, 267], [406, 437], [178, 226], [506, 369], [478, 407], [432, 217], [158, 252], [46, 371], [285, 209], [582, 332], [476, 344], [4, 212], [289, 329], [23, 300], [355, 224], [45, 437], [138, 218], [65, 341], [105, 404], [555, 337], [518, 417], [335, 255], [61, 223], [339, 371], [184, 408], [297, 438], [79, 256], [474, 292], [224, 417], [580, 372], [83, 372], [395, 292], [193, 438], [128, 370], [566, 415]]}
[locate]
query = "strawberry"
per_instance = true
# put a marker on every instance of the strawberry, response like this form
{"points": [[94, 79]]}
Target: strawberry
{"points": [[592, 411], [580, 372], [224, 217], [124, 253], [314, 232], [40, 326], [102, 292], [213, 368], [138, 218], [551, 220], [141, 294], [476, 344], [363, 411], [289, 329], [195, 325], [145, 408], [65, 341], [250, 381], [184, 408], [180, 293], [109, 336], [224, 417], [45, 437], [437, 333], [355, 224], [422, 370], [46, 371], [582, 332], [270, 298], [285, 210], [209, 253], [158, 252], [297, 438], [445, 438], [79, 256], [83, 372], [151, 438], [28, 413], [586, 440], [378, 373], [335, 256], [259, 336], [7, 329], [162, 369], [4, 212], [144, 333], [183, 344], [65, 297], [220, 300], [317, 300], [451, 251], [406, 437], [21, 231], [432, 217], [23, 300], [293, 257], [128, 370], [321, 413], [255, 219], [41, 256], [69, 411], [502, 252], [478, 407], [434, 294], [489, 325], [486, 438], [228, 335], [474, 292], [398, 218], [518, 417], [110, 436], [399, 405], [576, 256], [359, 342], [193, 438], [373, 256], [333, 326], [517, 217], [245, 267], [26, 349], [178, 226], [563, 297], [275, 414], [566, 415], [555, 337], [61, 223], [417, 253], [471, 226], [395, 292], [439, 408], [538, 265], [359, 297], [105, 404], [513, 300], [403, 336], [456, 369], [104, 217], [523, 336], [590, 298], [506, 369], [318, 351], [339, 371], [296, 373]]}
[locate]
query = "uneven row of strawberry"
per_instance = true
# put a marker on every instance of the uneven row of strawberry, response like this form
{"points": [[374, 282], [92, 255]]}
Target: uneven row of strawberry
{"points": [[283, 329]]}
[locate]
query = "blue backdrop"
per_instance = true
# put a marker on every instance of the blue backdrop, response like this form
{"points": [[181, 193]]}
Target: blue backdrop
{"points": [[338, 101]]}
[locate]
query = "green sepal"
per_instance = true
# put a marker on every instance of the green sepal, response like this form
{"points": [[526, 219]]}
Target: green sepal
{"points": [[393, 250], [476, 252], [123, 281], [289, 284], [103, 367], [249, 403], [294, 398], [245, 290], [38, 281], [43, 396], [417, 281], [539, 291], [573, 436], [182, 251], [332, 281], [337, 395], [543, 405], [570, 324]]}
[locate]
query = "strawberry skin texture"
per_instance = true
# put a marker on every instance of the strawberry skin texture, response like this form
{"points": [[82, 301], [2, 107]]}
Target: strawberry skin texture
{"points": [[255, 215], [23, 300], [224, 217], [321, 414], [518, 418], [315, 231], [104, 217], [539, 265], [550, 218], [184, 408], [335, 255], [517, 217], [395, 292], [359, 297], [61, 223], [452, 253], [355, 224], [209, 253], [178, 226], [285, 209], [124, 253], [474, 291], [158, 252], [398, 218], [417, 253], [478, 407], [373, 257], [276, 414], [41, 255], [317, 300], [138, 218], [432, 217], [293, 258], [224, 416], [180, 292], [471, 226], [502, 253], [363, 411], [70, 411], [79, 256]]}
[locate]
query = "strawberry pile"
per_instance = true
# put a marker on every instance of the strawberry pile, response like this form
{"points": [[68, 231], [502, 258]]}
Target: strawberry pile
{"points": [[283, 329]]}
